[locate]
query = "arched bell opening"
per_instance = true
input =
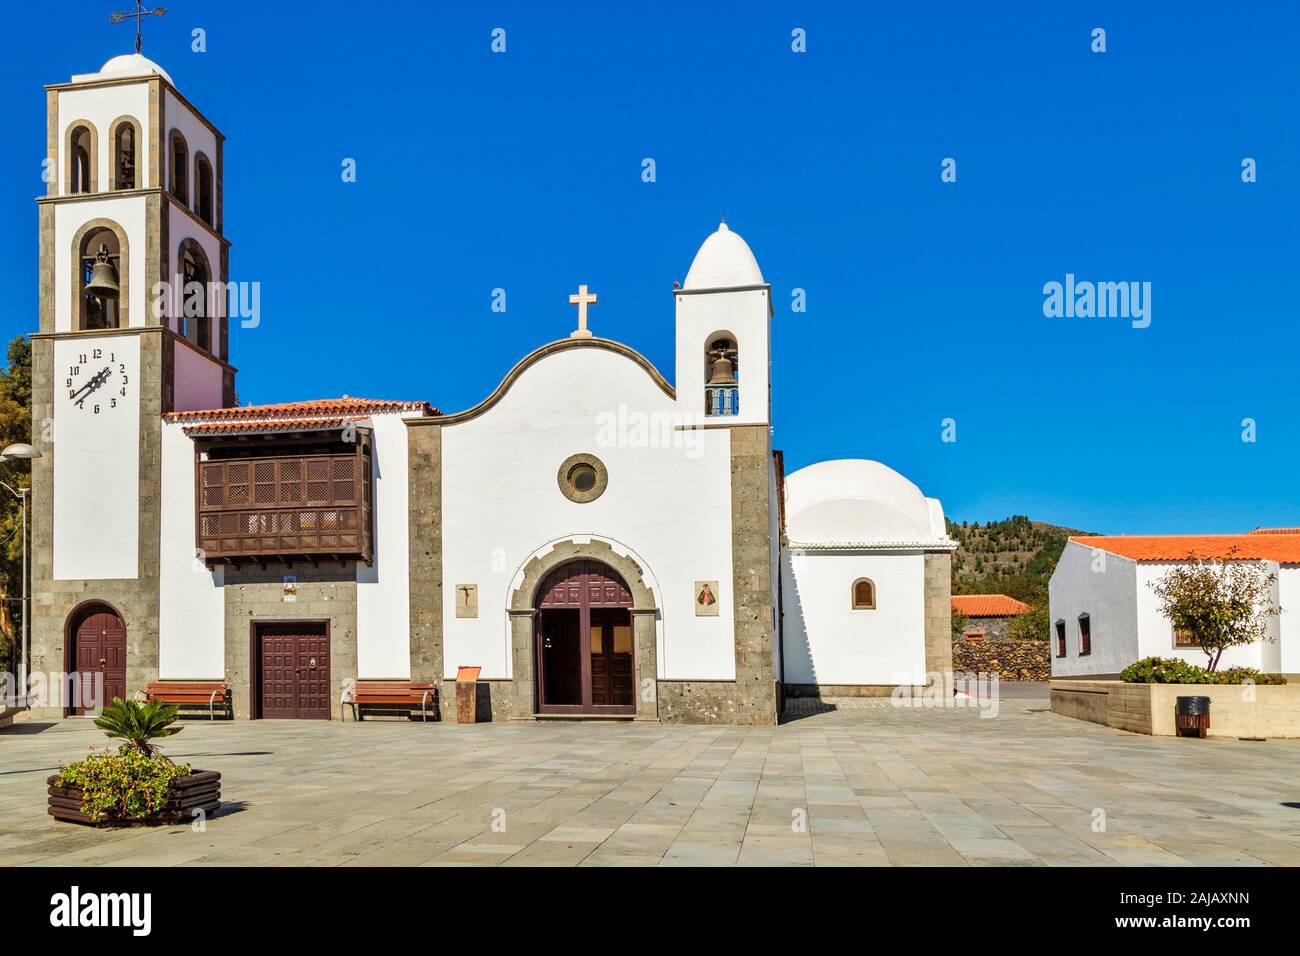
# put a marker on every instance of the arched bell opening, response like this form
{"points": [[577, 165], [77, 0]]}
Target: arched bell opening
{"points": [[721, 375], [99, 281]]}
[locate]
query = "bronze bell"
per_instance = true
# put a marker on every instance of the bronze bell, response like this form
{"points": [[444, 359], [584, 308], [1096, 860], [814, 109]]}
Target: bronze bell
{"points": [[103, 277], [721, 372]]}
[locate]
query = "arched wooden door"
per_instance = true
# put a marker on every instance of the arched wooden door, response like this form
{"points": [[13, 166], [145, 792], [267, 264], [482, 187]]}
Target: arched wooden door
{"points": [[98, 652], [585, 650]]}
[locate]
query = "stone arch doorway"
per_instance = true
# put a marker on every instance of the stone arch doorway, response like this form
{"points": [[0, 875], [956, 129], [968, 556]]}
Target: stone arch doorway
{"points": [[570, 581], [95, 638], [585, 655]]}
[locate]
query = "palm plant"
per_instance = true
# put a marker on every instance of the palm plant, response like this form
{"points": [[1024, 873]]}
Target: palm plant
{"points": [[138, 723]]}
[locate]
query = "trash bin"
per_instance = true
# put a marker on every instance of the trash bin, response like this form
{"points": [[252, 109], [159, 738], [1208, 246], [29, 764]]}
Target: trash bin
{"points": [[1192, 716], [467, 694]]}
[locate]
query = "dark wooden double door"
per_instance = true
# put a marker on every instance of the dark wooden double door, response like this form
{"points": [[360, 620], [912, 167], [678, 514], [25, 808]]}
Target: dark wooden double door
{"points": [[294, 669], [99, 658], [585, 655]]}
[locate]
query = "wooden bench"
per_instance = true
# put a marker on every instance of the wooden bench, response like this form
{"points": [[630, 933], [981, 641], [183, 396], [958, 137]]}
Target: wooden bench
{"points": [[190, 693], [405, 695]]}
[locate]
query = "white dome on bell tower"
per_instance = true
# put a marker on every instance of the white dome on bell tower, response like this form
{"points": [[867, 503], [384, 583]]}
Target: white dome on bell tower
{"points": [[724, 261], [128, 64]]}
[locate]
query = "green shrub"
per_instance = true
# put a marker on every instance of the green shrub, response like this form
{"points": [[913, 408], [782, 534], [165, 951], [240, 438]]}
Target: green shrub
{"points": [[1240, 675], [126, 783], [1164, 670], [1175, 670]]}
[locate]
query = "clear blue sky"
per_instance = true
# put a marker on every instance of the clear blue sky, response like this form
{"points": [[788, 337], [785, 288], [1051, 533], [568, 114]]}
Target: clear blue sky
{"points": [[522, 171]]}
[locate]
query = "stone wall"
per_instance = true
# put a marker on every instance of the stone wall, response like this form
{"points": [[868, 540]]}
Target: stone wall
{"points": [[938, 612], [424, 476], [325, 592], [1236, 710], [1011, 660], [993, 628]]}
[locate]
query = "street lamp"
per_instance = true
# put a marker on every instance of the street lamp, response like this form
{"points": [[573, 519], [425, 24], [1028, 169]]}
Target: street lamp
{"points": [[20, 451]]}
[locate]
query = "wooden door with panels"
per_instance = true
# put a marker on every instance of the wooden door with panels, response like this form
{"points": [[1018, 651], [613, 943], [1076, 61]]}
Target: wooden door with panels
{"points": [[585, 662], [292, 660], [98, 656]]}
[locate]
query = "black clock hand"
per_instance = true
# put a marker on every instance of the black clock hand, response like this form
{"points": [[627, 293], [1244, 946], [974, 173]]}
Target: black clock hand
{"points": [[99, 379]]}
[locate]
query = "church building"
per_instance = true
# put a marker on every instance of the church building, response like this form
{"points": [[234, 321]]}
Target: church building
{"points": [[599, 540]]}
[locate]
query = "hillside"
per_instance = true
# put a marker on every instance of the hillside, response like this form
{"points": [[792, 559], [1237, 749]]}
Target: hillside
{"points": [[1013, 556]]}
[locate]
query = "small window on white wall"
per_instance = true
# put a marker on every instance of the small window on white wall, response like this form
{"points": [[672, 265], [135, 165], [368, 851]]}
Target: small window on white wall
{"points": [[864, 595], [1085, 635]]}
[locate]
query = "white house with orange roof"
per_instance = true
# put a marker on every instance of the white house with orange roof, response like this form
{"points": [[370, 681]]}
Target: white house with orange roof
{"points": [[599, 541], [1105, 614]]}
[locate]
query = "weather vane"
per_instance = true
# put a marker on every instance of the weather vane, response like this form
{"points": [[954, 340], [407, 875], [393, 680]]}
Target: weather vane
{"points": [[138, 14]]}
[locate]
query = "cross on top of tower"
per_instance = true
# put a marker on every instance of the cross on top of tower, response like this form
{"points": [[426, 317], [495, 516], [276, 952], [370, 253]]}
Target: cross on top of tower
{"points": [[582, 298], [138, 14]]}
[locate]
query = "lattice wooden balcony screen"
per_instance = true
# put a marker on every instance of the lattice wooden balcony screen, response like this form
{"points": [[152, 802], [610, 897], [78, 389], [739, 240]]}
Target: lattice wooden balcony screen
{"points": [[285, 506]]}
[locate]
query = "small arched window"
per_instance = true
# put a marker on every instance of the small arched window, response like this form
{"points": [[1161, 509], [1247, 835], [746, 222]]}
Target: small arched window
{"points": [[864, 595], [721, 375], [203, 188], [81, 159], [180, 162], [126, 142], [195, 308]]}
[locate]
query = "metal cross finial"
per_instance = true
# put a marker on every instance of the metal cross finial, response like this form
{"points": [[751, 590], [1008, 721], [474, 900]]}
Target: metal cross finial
{"points": [[582, 299], [138, 14]]}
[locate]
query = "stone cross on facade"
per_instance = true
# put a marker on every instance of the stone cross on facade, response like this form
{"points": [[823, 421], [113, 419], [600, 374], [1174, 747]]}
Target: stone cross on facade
{"points": [[582, 298]]}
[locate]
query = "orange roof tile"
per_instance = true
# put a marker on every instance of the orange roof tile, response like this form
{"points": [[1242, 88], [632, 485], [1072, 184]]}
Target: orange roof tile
{"points": [[346, 405], [267, 425], [1282, 548], [1275, 531], [988, 605]]}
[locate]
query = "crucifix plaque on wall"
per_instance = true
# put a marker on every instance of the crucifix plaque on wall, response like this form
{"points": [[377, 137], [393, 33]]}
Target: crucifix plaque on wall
{"points": [[467, 600]]}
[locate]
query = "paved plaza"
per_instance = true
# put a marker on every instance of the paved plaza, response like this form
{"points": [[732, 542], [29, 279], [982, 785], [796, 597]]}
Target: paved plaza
{"points": [[857, 782]]}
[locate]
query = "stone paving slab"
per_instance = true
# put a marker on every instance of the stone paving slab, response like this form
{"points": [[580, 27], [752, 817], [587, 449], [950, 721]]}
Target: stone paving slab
{"points": [[840, 783]]}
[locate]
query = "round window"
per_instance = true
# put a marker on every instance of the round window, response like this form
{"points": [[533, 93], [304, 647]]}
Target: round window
{"points": [[582, 478]]}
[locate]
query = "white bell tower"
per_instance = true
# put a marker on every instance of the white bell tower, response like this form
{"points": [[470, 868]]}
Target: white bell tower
{"points": [[133, 272], [724, 321]]}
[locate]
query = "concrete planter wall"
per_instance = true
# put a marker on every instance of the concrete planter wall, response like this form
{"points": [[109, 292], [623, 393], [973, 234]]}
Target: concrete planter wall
{"points": [[1235, 710]]}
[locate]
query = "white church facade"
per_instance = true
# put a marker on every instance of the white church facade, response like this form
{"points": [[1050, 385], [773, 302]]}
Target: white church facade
{"points": [[598, 540]]}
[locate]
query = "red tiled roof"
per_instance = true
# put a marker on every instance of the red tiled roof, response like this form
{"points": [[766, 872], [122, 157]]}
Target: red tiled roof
{"points": [[1275, 531], [276, 425], [347, 405], [988, 605], [1282, 548]]}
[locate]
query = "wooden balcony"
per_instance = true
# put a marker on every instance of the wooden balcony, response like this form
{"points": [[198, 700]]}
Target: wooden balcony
{"points": [[280, 508]]}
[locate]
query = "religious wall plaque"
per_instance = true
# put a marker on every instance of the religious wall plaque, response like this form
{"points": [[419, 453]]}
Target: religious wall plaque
{"points": [[467, 600], [706, 598]]}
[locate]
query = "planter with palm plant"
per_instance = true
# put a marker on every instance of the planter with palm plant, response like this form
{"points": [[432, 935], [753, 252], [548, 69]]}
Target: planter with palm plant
{"points": [[137, 783]]}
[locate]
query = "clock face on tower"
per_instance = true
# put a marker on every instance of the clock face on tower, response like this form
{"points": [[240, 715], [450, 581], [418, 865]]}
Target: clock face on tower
{"points": [[98, 381]]}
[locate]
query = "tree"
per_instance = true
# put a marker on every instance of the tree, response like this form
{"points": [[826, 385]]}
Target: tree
{"points": [[1221, 604], [15, 426], [958, 623], [1030, 626]]}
